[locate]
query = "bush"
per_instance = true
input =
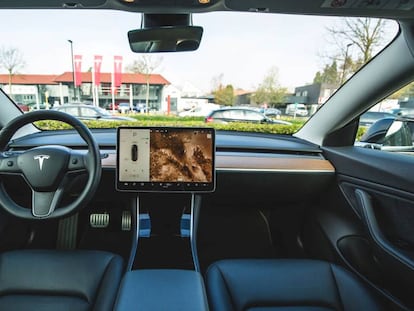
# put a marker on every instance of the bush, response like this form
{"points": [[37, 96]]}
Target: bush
{"points": [[150, 120], [175, 121], [361, 131], [259, 128]]}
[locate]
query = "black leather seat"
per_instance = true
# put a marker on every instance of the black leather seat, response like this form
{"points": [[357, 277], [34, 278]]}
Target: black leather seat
{"points": [[279, 284], [44, 280]]}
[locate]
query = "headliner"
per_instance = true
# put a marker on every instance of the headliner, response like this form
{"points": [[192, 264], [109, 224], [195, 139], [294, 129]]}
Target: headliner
{"points": [[387, 8]]}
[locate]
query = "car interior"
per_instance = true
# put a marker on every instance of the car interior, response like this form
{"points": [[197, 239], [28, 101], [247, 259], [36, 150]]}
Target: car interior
{"points": [[245, 221]]}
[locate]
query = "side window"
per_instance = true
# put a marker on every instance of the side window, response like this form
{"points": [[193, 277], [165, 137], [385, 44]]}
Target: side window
{"points": [[237, 114], [253, 115], [218, 114], [72, 110], [389, 125], [226, 114], [87, 112]]}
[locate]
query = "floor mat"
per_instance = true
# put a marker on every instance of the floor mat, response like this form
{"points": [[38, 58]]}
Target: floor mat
{"points": [[231, 232]]}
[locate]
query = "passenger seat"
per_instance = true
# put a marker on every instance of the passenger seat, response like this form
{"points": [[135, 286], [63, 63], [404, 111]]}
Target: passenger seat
{"points": [[286, 284]]}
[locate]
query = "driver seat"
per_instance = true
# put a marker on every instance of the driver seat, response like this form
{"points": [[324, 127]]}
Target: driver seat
{"points": [[46, 280]]}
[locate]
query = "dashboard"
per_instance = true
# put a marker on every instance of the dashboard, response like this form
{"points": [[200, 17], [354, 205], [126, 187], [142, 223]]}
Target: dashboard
{"points": [[284, 168], [252, 173]]}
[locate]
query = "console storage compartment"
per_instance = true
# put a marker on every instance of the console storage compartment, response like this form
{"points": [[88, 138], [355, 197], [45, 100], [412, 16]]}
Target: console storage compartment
{"points": [[163, 289]]}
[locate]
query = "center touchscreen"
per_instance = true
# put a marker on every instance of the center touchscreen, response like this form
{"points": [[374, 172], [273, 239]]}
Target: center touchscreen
{"points": [[165, 159]]}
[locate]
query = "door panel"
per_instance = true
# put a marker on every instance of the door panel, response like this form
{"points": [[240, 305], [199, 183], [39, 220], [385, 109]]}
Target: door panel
{"points": [[379, 189]]}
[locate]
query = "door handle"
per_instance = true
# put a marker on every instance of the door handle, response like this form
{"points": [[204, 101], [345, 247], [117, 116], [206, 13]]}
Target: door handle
{"points": [[365, 202]]}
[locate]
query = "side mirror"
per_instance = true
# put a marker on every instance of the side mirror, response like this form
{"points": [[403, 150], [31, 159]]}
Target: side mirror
{"points": [[377, 131], [389, 134]]}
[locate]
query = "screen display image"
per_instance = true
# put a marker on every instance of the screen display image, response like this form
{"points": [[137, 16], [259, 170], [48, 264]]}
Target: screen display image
{"points": [[166, 159]]}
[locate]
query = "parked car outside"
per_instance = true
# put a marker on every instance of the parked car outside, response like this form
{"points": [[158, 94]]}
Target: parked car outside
{"points": [[140, 108], [35, 106], [271, 112], [111, 106], [227, 115], [297, 109], [124, 108], [23, 107], [403, 112], [87, 112], [199, 111]]}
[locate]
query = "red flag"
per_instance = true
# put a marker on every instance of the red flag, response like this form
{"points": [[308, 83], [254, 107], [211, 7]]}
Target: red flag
{"points": [[117, 71], [78, 70], [97, 69]]}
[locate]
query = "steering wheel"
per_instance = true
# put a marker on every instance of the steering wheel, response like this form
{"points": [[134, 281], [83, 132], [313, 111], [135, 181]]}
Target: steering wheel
{"points": [[47, 169]]}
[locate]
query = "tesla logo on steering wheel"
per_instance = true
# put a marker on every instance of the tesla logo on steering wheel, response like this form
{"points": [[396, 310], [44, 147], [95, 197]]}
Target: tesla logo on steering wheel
{"points": [[41, 158]]}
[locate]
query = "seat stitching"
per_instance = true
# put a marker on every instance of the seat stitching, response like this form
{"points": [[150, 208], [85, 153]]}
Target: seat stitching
{"points": [[336, 287]]}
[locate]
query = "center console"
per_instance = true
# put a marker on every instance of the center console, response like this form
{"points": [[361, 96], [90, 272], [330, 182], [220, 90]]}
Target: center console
{"points": [[161, 290], [176, 164]]}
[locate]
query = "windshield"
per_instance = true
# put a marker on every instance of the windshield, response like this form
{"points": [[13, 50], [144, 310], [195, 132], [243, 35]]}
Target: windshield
{"points": [[257, 61]]}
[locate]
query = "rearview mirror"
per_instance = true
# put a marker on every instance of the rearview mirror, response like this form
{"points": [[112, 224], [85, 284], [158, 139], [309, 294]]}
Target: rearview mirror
{"points": [[165, 39]]}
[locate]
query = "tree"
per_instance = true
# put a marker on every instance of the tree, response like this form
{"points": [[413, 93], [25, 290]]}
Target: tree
{"points": [[269, 91], [145, 65], [224, 95], [365, 34], [406, 91], [11, 59], [328, 75]]}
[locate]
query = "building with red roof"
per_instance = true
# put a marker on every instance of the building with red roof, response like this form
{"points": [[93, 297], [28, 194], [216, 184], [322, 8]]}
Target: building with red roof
{"points": [[32, 89]]}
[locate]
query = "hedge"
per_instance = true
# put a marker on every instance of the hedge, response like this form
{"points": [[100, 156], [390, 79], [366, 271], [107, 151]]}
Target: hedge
{"points": [[244, 127], [144, 120]]}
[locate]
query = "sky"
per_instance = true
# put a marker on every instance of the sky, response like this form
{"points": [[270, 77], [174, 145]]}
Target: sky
{"points": [[239, 47]]}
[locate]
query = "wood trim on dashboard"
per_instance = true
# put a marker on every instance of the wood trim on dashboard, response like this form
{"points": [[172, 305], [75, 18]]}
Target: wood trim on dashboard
{"points": [[284, 163], [257, 163]]}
